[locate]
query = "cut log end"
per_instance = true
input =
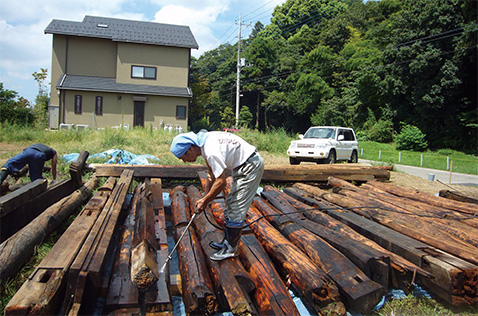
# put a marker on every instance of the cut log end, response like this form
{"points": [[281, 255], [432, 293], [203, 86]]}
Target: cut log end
{"points": [[144, 278]]}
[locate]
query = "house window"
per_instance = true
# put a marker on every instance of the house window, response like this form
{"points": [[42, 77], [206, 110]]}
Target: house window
{"points": [[78, 104], [181, 112], [99, 106], [143, 72]]}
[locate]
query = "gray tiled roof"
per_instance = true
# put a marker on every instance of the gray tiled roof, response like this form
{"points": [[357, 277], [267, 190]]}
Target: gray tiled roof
{"points": [[126, 31], [86, 83]]}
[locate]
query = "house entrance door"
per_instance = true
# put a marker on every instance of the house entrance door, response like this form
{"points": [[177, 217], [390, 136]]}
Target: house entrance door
{"points": [[138, 119]]}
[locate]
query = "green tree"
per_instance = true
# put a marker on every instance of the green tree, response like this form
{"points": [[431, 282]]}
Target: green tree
{"points": [[228, 118], [14, 109], [245, 117], [42, 99]]}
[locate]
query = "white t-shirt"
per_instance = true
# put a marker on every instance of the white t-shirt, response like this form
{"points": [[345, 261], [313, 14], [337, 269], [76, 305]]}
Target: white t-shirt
{"points": [[223, 150]]}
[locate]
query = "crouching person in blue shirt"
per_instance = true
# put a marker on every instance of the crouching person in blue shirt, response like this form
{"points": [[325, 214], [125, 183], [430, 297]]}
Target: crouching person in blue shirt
{"points": [[35, 156]]}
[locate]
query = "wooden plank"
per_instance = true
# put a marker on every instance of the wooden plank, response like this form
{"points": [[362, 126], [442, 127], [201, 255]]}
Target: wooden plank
{"points": [[43, 291], [15, 199], [122, 293], [34, 206], [87, 269], [271, 172], [16, 250], [160, 217], [144, 265], [457, 196]]}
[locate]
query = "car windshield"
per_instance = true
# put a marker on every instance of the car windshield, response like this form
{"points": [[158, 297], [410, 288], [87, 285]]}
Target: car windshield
{"points": [[320, 133]]}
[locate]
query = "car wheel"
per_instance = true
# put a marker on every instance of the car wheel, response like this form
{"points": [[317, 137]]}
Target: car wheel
{"points": [[354, 157], [294, 161], [332, 157]]}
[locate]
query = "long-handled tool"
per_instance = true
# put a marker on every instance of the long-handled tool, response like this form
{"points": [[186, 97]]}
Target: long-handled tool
{"points": [[161, 271]]}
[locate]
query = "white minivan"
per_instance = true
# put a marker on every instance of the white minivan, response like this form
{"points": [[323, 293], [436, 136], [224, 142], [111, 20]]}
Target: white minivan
{"points": [[324, 144]]}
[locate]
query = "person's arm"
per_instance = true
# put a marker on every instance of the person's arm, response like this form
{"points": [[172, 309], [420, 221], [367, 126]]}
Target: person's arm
{"points": [[218, 185], [53, 167]]}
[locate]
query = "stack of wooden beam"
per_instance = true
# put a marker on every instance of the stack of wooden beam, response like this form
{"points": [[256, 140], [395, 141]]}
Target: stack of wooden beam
{"points": [[436, 234], [339, 249]]}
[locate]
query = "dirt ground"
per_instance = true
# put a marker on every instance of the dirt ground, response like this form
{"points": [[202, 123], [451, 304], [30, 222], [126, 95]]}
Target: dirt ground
{"points": [[398, 178]]}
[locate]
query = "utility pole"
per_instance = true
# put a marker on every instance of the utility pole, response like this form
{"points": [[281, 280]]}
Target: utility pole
{"points": [[238, 81]]}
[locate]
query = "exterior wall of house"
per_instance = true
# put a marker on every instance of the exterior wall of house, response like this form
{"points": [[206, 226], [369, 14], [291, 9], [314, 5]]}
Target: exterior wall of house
{"points": [[118, 109], [92, 57], [98, 57], [57, 65], [172, 64]]}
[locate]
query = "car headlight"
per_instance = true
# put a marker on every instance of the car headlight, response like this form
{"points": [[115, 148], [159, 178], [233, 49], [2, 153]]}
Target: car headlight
{"points": [[292, 145]]}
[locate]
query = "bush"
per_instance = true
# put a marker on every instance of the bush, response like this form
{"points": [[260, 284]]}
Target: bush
{"points": [[381, 131], [411, 138]]}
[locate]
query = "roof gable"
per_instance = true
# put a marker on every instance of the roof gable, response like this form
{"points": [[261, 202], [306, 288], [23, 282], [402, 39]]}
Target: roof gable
{"points": [[126, 31]]}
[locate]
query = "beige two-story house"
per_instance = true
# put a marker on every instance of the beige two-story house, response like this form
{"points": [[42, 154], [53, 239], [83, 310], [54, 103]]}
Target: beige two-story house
{"points": [[113, 72]]}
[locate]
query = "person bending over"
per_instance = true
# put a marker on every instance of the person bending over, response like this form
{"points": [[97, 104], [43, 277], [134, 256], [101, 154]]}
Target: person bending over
{"points": [[223, 150], [35, 156]]}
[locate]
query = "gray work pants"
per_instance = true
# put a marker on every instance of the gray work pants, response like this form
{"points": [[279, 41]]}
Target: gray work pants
{"points": [[245, 181]]}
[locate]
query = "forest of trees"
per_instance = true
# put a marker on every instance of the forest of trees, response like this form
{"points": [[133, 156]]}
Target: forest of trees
{"points": [[376, 66]]}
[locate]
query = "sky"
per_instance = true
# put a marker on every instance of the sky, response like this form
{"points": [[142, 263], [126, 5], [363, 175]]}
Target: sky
{"points": [[25, 48]]}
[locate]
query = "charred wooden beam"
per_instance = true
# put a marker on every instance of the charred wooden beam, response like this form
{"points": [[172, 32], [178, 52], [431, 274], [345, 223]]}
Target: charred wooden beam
{"points": [[86, 272], [281, 173], [316, 288], [197, 289], [77, 166], [445, 237], [452, 278], [43, 291], [457, 196], [17, 250], [123, 295], [33, 206], [144, 265], [359, 292], [271, 294], [463, 207], [231, 281]]}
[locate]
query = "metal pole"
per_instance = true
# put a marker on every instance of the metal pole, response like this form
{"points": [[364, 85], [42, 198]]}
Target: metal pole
{"points": [[238, 81]]}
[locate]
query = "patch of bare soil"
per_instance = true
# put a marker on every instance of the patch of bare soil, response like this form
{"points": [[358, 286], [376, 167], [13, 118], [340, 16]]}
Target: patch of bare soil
{"points": [[432, 187], [8, 150]]}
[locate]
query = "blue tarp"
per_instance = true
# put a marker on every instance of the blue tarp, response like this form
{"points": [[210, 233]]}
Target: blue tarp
{"points": [[117, 156]]}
